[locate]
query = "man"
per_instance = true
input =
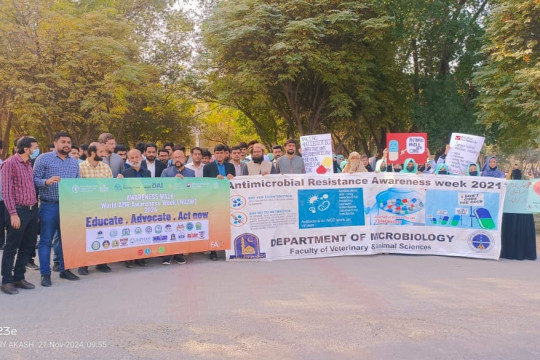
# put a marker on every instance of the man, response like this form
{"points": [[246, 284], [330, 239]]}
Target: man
{"points": [[243, 150], [290, 163], [21, 204], [155, 167], [93, 167], [365, 162], [196, 161], [227, 154], [135, 171], [75, 153], [206, 157], [163, 155], [277, 151], [177, 170], [257, 165], [236, 160], [221, 170], [49, 169], [121, 151], [113, 160], [3, 224]]}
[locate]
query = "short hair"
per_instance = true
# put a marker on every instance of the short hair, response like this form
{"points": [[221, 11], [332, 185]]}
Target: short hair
{"points": [[84, 147], [24, 142], [149, 145], [290, 141], [92, 148], [275, 147], [119, 147], [60, 134], [242, 145], [163, 150], [103, 138], [219, 147], [179, 147], [171, 144], [196, 148], [206, 153], [75, 147], [140, 146], [235, 148], [252, 142], [227, 148], [364, 157], [51, 145]]}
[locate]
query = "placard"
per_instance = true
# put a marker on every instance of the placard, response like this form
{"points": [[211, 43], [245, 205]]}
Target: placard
{"points": [[317, 153], [402, 146], [464, 150]]}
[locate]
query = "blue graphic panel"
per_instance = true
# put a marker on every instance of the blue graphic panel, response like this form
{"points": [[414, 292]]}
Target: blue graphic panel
{"points": [[330, 208]]}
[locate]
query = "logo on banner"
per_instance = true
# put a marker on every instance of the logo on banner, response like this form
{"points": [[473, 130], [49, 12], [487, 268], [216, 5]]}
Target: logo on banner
{"points": [[480, 242], [238, 202], [75, 188], [96, 245], [246, 246]]}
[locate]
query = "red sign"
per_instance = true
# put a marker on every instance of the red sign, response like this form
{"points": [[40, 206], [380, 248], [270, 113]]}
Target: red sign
{"points": [[402, 146]]}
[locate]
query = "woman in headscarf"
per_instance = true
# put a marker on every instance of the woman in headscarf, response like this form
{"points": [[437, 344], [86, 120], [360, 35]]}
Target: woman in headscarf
{"points": [[354, 164], [442, 169], [382, 166], [490, 168], [472, 169], [409, 167]]}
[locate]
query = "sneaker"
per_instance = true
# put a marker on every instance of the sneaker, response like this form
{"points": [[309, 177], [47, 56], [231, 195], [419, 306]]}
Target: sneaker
{"points": [[56, 267], [166, 260], [32, 265], [68, 275], [179, 259], [103, 268]]}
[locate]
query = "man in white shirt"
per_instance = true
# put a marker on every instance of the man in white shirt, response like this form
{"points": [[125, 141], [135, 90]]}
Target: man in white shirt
{"points": [[196, 163]]}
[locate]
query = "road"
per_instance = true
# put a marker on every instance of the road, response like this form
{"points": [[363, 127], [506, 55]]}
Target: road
{"points": [[364, 307]]}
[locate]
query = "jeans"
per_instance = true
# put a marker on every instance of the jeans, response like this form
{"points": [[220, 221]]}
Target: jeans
{"points": [[19, 242], [55, 245], [50, 223], [3, 223]]}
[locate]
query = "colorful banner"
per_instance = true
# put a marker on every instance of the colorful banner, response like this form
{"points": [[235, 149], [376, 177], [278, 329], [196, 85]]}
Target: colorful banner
{"points": [[317, 153], [304, 216], [110, 220], [464, 150], [533, 199], [402, 146], [515, 201]]}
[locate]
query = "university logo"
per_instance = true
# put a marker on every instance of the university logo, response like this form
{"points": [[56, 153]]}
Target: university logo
{"points": [[75, 188], [480, 242], [96, 245], [118, 187], [246, 246]]}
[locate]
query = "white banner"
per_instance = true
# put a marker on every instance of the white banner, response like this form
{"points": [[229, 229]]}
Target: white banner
{"points": [[303, 216], [464, 150], [317, 153]]}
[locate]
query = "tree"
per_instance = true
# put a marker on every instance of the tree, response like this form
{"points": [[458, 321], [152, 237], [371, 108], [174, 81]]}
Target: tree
{"points": [[508, 81]]}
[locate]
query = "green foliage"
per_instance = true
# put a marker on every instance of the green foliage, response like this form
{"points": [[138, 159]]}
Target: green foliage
{"points": [[509, 101]]}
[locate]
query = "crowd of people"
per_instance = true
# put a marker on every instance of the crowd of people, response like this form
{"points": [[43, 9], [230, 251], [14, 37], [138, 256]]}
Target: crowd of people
{"points": [[30, 202]]}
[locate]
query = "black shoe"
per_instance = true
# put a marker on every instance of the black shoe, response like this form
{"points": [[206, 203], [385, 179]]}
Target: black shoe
{"points": [[68, 275], [23, 284], [56, 267], [179, 259], [103, 268], [140, 262], [9, 289], [46, 280], [129, 264], [32, 265], [213, 256], [83, 270]]}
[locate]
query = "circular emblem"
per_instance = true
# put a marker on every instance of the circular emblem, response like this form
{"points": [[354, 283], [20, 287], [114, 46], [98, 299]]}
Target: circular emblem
{"points": [[96, 245], [148, 229], [480, 242], [158, 229], [189, 226], [147, 251], [138, 230], [75, 188]]}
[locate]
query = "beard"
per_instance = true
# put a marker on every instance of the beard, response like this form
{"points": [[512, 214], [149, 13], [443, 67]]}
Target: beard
{"points": [[290, 152], [150, 158], [179, 164], [136, 164], [63, 151], [257, 160], [98, 158]]}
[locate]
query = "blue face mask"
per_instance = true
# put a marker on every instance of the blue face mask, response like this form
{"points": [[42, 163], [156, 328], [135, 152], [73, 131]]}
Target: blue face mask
{"points": [[34, 154]]}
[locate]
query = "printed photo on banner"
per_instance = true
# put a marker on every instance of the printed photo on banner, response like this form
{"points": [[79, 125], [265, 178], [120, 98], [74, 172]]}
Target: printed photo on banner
{"points": [[402, 146]]}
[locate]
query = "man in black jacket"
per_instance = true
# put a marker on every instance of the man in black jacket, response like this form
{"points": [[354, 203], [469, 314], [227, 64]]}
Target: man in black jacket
{"points": [[155, 166], [218, 169]]}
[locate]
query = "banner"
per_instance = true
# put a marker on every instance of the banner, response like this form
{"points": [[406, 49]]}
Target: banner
{"points": [[305, 216], [110, 220], [515, 201], [317, 153], [533, 198], [402, 146], [464, 150]]}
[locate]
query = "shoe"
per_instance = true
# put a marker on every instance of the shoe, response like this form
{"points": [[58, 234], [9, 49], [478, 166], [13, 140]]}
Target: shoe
{"points": [[23, 284], [140, 262], [103, 268], [68, 275], [32, 265], [56, 267], [83, 270], [46, 280], [213, 256], [9, 289], [179, 259], [129, 264], [166, 261]]}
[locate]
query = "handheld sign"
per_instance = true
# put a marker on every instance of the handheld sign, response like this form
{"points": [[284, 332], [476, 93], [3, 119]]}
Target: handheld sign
{"points": [[464, 150], [402, 146], [317, 153]]}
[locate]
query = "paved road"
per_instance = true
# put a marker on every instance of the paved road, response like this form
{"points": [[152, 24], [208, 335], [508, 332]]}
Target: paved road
{"points": [[372, 307]]}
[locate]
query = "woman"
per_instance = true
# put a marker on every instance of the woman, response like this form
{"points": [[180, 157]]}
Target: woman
{"points": [[442, 169], [490, 168], [409, 167], [518, 237], [354, 164], [472, 170]]}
